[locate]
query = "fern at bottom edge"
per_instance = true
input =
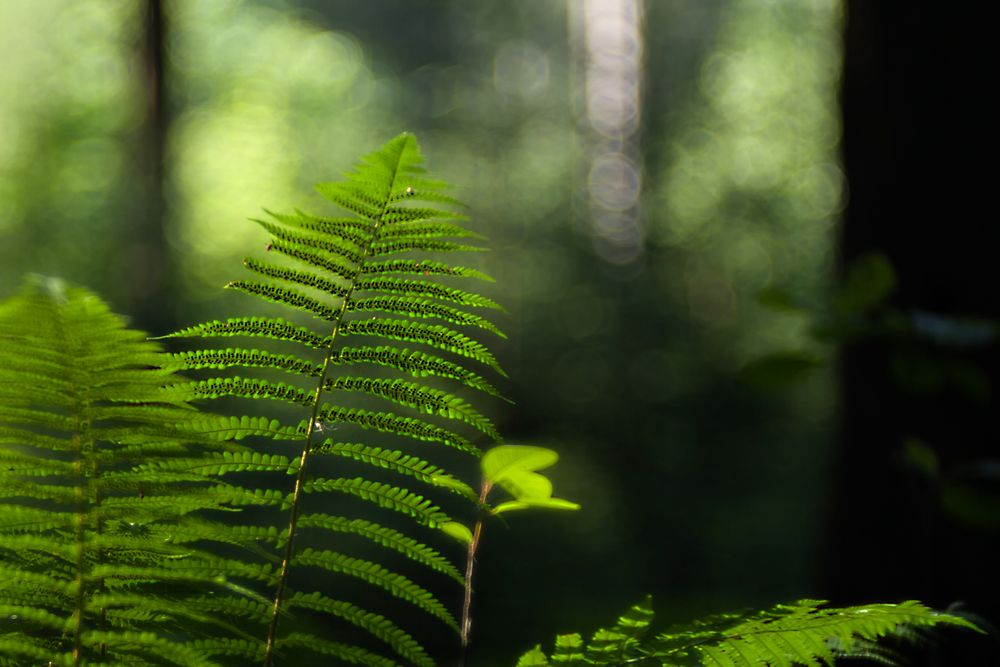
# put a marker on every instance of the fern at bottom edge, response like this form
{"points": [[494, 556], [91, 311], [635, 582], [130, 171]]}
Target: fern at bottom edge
{"points": [[800, 633]]}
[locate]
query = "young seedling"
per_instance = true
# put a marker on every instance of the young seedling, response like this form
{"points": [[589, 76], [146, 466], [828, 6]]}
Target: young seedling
{"points": [[514, 468]]}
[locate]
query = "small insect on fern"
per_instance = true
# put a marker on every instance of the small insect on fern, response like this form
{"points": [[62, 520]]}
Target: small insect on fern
{"points": [[92, 565], [365, 357]]}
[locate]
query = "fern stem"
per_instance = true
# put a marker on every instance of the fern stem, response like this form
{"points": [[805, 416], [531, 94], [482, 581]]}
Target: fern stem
{"points": [[81, 561], [293, 517], [84, 497], [272, 630], [470, 561], [102, 618]]}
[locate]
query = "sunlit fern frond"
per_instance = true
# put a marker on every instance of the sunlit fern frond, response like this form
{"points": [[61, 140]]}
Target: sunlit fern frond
{"points": [[802, 633], [375, 337], [88, 572]]}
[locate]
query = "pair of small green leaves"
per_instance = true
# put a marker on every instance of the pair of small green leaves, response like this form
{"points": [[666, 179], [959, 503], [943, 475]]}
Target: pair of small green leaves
{"points": [[514, 469]]}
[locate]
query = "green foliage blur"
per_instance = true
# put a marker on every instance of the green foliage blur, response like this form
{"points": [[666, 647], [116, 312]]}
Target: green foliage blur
{"points": [[693, 487]]}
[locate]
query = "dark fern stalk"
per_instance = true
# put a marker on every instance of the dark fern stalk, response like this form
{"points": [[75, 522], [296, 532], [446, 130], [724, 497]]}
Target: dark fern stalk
{"points": [[91, 558], [286, 559], [372, 276]]}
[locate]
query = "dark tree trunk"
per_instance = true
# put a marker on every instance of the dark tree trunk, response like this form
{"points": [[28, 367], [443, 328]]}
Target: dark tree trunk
{"points": [[919, 142], [147, 265]]}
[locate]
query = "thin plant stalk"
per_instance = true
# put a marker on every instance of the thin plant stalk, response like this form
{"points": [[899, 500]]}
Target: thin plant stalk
{"points": [[470, 562]]}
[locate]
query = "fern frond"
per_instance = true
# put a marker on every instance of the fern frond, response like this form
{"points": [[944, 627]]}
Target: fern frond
{"points": [[335, 266], [23, 437], [238, 386], [436, 336], [374, 624], [386, 496], [246, 608], [18, 644], [287, 297], [421, 228], [207, 570], [359, 200], [414, 395], [83, 402], [423, 288], [373, 573], [220, 463], [352, 654], [15, 519], [387, 537], [143, 414], [237, 428], [424, 267], [336, 270], [333, 244], [304, 278], [41, 418], [416, 363], [65, 551], [254, 327], [534, 658], [242, 648], [801, 633], [415, 222], [388, 422], [248, 358], [239, 496], [569, 650], [180, 504], [403, 244], [148, 643], [613, 645], [19, 488], [165, 609], [33, 615], [352, 230], [18, 579], [397, 461], [237, 535], [430, 191], [806, 627], [421, 308], [29, 466]]}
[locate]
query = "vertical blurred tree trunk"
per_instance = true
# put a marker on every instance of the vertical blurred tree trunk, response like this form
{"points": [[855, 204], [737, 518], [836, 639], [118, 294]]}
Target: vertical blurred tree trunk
{"points": [[147, 263], [919, 143]]}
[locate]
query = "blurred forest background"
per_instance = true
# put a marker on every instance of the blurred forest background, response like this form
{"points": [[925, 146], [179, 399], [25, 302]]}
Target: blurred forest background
{"points": [[663, 185]]}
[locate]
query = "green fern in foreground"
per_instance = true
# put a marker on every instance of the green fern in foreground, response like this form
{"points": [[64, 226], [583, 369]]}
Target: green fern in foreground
{"points": [[801, 633], [93, 565], [374, 363]]}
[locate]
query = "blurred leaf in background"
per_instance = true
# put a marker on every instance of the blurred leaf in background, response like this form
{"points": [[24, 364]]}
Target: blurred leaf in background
{"points": [[267, 101], [71, 113]]}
